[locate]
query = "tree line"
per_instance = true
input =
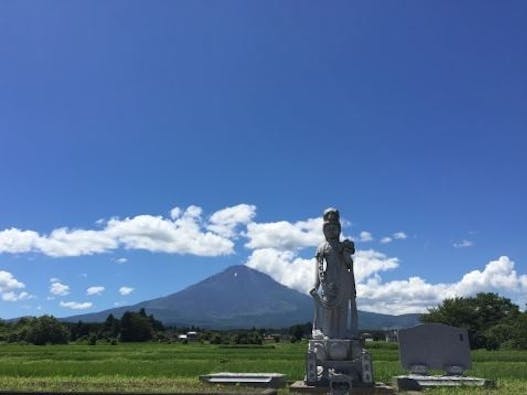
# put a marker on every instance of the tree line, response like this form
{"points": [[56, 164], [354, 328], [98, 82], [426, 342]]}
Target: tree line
{"points": [[46, 329], [492, 321]]}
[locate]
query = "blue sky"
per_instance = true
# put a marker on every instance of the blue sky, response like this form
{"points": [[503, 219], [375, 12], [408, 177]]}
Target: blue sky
{"points": [[252, 118]]}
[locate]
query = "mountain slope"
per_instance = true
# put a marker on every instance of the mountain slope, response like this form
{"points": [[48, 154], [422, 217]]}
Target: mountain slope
{"points": [[239, 297]]}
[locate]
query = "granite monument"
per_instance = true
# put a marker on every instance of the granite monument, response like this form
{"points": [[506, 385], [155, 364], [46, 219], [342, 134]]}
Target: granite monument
{"points": [[335, 357]]}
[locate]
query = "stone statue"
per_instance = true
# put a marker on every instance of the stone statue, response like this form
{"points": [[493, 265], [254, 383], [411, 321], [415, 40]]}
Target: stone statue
{"points": [[335, 357], [334, 289]]}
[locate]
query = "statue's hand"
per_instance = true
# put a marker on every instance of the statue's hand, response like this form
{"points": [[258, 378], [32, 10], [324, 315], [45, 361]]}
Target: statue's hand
{"points": [[313, 292]]}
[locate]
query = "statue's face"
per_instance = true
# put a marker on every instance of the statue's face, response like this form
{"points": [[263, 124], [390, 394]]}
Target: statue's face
{"points": [[331, 231]]}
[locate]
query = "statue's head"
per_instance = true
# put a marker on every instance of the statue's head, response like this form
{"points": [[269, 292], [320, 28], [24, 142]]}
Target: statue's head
{"points": [[331, 227]]}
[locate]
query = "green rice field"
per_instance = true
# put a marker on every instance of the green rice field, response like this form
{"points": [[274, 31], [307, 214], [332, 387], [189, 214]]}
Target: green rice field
{"points": [[176, 367]]}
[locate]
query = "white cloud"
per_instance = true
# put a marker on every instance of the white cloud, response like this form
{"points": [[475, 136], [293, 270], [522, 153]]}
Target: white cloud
{"points": [[175, 213], [224, 222], [276, 252], [182, 236], [10, 286], [16, 241], [365, 237], [95, 290], [8, 282], [285, 235], [126, 290], [121, 260], [369, 262], [463, 244], [66, 242], [499, 275], [285, 267], [76, 305], [298, 273], [12, 296], [399, 236], [59, 289], [416, 294], [399, 296], [184, 232]]}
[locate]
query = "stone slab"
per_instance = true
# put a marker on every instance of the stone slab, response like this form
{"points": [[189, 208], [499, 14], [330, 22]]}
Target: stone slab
{"points": [[434, 346], [272, 380], [300, 388], [254, 391], [415, 382]]}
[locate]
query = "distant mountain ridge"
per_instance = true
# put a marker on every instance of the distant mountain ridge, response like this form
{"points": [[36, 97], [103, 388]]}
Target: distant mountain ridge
{"points": [[240, 297]]}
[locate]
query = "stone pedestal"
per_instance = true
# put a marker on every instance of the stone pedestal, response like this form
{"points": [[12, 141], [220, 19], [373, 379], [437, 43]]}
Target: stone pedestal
{"points": [[417, 382], [301, 388], [338, 364]]}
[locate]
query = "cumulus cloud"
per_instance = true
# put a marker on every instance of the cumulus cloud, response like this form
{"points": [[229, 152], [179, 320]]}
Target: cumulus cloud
{"points": [[399, 236], [365, 237], [499, 276], [59, 289], [126, 290], [416, 294], [184, 232], [76, 305], [16, 241], [8, 282], [283, 235], [224, 222], [463, 244], [277, 247], [121, 260], [298, 273], [286, 267], [395, 236], [10, 288], [368, 262], [95, 290]]}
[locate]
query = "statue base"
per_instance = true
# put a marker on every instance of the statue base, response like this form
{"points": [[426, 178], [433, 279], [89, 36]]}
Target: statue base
{"points": [[301, 388], [339, 365]]}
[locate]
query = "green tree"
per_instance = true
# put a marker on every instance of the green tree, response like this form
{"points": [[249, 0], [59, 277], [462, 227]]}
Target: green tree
{"points": [[111, 327], [46, 329], [135, 327], [485, 316]]}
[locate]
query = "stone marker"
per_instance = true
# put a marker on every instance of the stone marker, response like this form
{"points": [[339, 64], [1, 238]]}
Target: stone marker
{"points": [[435, 346], [336, 362], [271, 380]]}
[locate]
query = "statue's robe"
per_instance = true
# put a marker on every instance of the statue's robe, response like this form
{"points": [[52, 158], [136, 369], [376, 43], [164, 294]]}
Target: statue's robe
{"points": [[335, 307]]}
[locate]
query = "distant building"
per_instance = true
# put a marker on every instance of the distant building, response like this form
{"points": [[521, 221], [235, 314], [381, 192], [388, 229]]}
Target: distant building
{"points": [[367, 337]]}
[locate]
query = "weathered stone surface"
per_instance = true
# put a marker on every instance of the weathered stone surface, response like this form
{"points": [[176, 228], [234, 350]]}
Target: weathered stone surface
{"points": [[414, 382], [435, 346], [334, 288], [301, 388], [273, 380], [335, 359]]}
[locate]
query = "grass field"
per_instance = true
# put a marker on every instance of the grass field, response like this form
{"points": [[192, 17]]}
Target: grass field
{"points": [[173, 367]]}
